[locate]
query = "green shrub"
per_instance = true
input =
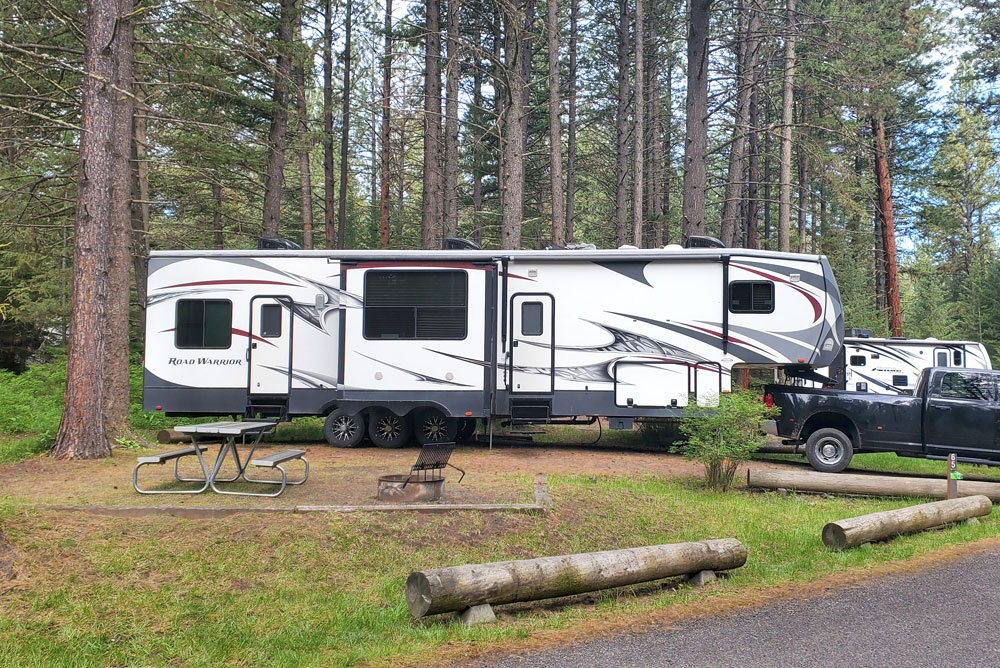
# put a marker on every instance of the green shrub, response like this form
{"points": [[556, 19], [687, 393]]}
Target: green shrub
{"points": [[32, 401], [723, 438]]}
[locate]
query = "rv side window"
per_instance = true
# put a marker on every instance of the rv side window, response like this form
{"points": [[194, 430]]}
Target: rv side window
{"points": [[751, 297], [531, 319], [942, 359], [900, 381], [203, 323], [270, 321], [415, 304], [957, 357], [857, 360]]}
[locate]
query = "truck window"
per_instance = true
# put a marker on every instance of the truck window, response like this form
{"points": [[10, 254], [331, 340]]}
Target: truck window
{"points": [[857, 360], [964, 385]]}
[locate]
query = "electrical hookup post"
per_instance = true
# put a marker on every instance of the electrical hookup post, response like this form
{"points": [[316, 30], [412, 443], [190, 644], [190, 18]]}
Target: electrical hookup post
{"points": [[953, 476]]}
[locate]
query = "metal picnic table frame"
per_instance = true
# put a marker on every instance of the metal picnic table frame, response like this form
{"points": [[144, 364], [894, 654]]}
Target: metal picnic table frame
{"points": [[228, 432]]}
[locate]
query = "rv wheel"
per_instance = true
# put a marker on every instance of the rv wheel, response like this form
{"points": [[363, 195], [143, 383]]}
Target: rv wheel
{"points": [[344, 428], [432, 426], [388, 430], [466, 428]]}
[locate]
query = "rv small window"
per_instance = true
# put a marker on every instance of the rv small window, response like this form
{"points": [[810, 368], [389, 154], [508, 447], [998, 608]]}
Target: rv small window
{"points": [[751, 297], [900, 381], [531, 319], [203, 323], [957, 357], [270, 321], [416, 304], [942, 359], [857, 360]]}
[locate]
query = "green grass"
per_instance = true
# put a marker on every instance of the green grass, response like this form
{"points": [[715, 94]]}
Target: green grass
{"points": [[890, 463], [328, 591]]}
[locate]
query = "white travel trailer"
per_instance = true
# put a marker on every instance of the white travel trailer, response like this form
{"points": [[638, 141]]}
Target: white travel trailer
{"points": [[891, 366], [391, 343]]}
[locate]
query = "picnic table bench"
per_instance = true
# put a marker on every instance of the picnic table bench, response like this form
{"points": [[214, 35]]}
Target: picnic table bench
{"points": [[228, 432]]}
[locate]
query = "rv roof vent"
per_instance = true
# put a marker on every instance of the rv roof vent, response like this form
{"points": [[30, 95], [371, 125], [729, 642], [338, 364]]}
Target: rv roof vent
{"points": [[269, 243], [455, 243], [860, 333], [572, 247], [673, 247], [703, 242]]}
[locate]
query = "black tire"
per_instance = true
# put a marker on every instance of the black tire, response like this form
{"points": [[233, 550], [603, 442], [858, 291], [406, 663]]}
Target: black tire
{"points": [[466, 428], [344, 428], [829, 450], [431, 426], [388, 430]]}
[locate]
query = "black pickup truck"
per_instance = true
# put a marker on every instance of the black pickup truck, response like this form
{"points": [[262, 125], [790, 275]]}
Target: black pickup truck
{"points": [[951, 411]]}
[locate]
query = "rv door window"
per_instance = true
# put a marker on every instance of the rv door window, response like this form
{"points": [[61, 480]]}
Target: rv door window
{"points": [[204, 323], [531, 319], [416, 304], [751, 297], [857, 360], [270, 321], [942, 358]]}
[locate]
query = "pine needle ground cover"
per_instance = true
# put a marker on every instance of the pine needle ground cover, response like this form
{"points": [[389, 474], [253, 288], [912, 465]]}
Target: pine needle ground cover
{"points": [[327, 590]]}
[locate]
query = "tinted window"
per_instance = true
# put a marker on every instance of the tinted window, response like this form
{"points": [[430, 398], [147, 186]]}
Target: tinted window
{"points": [[857, 360], [968, 386], [942, 359], [270, 321], [751, 297], [531, 318], [957, 357], [204, 323], [415, 304]]}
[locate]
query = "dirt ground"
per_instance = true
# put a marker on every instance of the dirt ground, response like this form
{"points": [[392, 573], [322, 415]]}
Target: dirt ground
{"points": [[337, 476]]}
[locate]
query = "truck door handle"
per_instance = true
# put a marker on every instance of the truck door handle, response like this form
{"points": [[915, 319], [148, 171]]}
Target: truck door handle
{"points": [[943, 408]]}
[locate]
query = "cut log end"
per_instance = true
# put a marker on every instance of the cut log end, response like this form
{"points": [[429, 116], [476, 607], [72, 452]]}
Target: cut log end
{"points": [[418, 594], [834, 537]]}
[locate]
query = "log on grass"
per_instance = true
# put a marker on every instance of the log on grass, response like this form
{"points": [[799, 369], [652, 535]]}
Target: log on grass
{"points": [[869, 485], [857, 530], [172, 436], [458, 587]]}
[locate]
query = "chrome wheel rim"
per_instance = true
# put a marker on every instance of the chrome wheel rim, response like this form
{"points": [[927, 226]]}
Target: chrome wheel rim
{"points": [[389, 428], [435, 427], [830, 450], [345, 428]]}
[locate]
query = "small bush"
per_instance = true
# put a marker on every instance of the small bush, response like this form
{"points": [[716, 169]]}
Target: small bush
{"points": [[723, 438]]}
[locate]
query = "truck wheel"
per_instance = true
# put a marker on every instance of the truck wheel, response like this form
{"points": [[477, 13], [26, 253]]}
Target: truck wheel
{"points": [[431, 426], [344, 428], [466, 428], [829, 450], [388, 430]]}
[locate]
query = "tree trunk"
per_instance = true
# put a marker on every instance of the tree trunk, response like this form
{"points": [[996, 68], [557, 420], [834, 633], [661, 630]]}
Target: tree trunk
{"points": [[140, 202], [305, 172], [432, 205], [450, 190], [277, 137], [767, 175], [108, 41], [696, 140], [621, 128], [803, 176], [383, 225], [638, 151], [787, 101], [753, 171], [514, 116], [574, 9], [654, 146], [345, 132], [328, 199], [668, 151], [555, 127], [217, 225], [477, 147], [458, 587], [888, 230], [870, 485]]}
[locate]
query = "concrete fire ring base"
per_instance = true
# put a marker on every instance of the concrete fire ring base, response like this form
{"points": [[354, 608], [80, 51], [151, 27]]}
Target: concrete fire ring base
{"points": [[396, 489]]}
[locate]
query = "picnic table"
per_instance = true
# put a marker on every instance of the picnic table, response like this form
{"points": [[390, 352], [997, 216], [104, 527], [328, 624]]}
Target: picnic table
{"points": [[228, 433]]}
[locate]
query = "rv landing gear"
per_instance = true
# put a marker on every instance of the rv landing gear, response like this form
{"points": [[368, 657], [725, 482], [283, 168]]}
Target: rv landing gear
{"points": [[388, 430], [432, 426], [466, 428], [344, 429]]}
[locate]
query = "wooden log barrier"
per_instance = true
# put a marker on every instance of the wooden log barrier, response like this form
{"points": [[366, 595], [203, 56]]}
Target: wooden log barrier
{"points": [[870, 485], [456, 588], [172, 436], [857, 530]]}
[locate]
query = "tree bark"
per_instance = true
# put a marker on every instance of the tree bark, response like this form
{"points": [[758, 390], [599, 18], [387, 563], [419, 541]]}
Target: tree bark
{"points": [[305, 171], [753, 170], [328, 185], [888, 230], [654, 146], [767, 175], [345, 131], [574, 9], [477, 146], [555, 126], [803, 174], [383, 225], [81, 433], [217, 226], [621, 127], [787, 102], [696, 130], [458, 587], [871, 485], [277, 138], [140, 204], [513, 140], [638, 151], [663, 228], [432, 205], [450, 190]]}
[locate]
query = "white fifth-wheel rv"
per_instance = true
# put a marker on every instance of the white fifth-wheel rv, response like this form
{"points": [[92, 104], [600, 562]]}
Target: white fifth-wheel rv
{"points": [[891, 366], [399, 343]]}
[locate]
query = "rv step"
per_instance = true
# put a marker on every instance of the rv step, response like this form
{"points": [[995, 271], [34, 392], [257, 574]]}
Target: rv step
{"points": [[527, 412], [279, 411]]}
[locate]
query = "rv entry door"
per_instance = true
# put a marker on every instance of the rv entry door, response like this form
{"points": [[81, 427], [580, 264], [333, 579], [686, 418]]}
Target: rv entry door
{"points": [[270, 351], [532, 340]]}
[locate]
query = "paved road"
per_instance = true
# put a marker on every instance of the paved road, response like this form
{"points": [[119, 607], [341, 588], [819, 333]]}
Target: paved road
{"points": [[947, 616]]}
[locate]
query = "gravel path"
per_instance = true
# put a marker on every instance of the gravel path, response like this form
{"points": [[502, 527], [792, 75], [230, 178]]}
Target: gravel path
{"points": [[941, 617]]}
